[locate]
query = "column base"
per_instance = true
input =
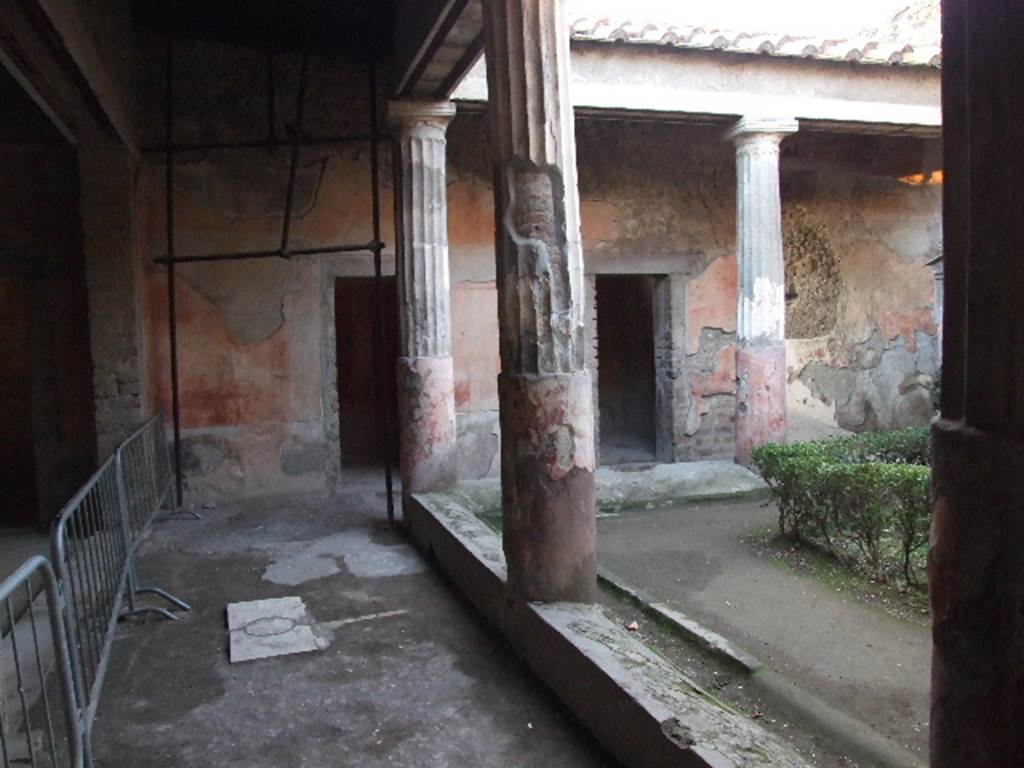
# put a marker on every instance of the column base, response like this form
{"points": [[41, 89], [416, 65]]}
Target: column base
{"points": [[976, 579], [426, 411], [761, 412], [547, 482]]}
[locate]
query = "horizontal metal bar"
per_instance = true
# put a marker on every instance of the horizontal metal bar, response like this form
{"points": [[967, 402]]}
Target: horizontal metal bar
{"points": [[217, 146], [240, 256], [371, 247]]}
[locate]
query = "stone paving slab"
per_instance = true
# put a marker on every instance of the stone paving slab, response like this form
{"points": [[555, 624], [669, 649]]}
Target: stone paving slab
{"points": [[261, 629], [409, 678]]}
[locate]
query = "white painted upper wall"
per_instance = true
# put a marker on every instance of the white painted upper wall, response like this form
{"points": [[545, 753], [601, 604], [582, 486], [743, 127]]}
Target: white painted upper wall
{"points": [[849, 96]]}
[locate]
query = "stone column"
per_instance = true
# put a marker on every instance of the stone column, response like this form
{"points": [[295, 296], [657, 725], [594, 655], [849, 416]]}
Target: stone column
{"points": [[976, 560], [426, 399], [761, 311], [547, 444]]}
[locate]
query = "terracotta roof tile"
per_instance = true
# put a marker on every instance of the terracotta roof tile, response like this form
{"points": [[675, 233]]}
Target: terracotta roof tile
{"points": [[864, 50]]}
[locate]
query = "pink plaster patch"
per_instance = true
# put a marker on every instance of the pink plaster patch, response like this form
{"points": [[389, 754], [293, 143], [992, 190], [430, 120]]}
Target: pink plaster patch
{"points": [[761, 399], [906, 323], [462, 393], [598, 222], [550, 417], [711, 301], [721, 380], [427, 419], [475, 346], [223, 381]]}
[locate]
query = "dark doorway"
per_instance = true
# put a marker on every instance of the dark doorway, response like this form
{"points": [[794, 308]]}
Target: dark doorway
{"points": [[355, 308], [625, 364], [46, 377], [17, 449]]}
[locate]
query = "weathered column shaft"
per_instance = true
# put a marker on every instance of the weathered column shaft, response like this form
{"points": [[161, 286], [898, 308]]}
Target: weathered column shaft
{"points": [[425, 376], [976, 580], [761, 311], [547, 452], [976, 560]]}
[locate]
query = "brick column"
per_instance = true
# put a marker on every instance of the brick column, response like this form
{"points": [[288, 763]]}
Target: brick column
{"points": [[976, 561], [426, 399], [761, 311], [547, 444]]}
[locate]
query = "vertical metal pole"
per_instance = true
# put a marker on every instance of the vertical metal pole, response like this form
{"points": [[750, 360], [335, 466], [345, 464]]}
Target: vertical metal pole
{"points": [[271, 119], [383, 377], [172, 308], [126, 527]]}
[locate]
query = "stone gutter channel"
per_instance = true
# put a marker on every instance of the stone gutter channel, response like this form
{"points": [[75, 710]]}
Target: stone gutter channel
{"points": [[847, 734], [641, 707]]}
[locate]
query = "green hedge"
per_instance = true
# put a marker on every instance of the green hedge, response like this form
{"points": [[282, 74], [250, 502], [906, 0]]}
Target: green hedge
{"points": [[864, 498]]}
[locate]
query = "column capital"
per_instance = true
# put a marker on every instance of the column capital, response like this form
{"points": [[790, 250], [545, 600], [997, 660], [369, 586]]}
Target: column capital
{"points": [[405, 113], [749, 128]]}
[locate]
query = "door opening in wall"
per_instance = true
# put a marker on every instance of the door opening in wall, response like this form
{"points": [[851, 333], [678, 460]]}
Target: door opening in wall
{"points": [[17, 454], [46, 373], [626, 371], [362, 440]]}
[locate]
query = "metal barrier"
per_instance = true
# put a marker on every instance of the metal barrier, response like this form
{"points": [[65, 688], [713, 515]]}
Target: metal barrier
{"points": [[38, 690], [145, 483], [93, 544], [90, 555]]}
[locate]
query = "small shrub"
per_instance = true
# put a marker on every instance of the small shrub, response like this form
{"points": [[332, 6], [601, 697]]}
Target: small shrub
{"points": [[902, 446], [864, 498], [910, 488]]}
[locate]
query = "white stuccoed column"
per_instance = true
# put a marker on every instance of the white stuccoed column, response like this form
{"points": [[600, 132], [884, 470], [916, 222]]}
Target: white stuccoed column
{"points": [[761, 415], [425, 375], [547, 440]]}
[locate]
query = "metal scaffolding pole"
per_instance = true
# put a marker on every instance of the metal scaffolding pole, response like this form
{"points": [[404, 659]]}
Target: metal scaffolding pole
{"points": [[172, 307], [382, 378]]}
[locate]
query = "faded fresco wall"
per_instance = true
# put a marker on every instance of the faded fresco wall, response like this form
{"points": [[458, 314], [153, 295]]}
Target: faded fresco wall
{"points": [[256, 338], [859, 230], [257, 346], [674, 220], [659, 199], [640, 215]]}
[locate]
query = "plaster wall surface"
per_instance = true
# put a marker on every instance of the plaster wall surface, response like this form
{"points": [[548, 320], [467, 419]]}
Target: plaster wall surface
{"points": [[258, 366], [107, 176]]}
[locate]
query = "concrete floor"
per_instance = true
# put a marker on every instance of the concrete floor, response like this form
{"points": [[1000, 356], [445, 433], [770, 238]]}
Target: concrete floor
{"points": [[19, 544], [414, 680], [856, 657]]}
